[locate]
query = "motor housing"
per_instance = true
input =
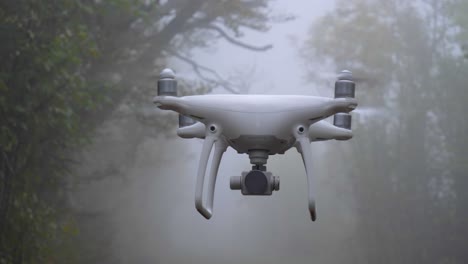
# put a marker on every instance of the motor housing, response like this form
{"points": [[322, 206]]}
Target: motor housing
{"points": [[344, 88], [344, 85], [342, 120], [167, 84], [185, 121]]}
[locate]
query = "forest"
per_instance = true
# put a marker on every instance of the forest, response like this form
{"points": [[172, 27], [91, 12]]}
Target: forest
{"points": [[88, 171]]}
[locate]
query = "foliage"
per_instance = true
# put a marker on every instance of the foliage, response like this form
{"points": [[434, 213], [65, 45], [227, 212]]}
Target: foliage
{"points": [[43, 97]]}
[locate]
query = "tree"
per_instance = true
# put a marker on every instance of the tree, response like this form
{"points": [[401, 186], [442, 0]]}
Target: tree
{"points": [[66, 67], [400, 160], [43, 98]]}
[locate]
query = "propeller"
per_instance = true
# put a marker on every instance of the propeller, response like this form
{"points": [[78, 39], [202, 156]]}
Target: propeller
{"points": [[358, 77], [369, 111]]}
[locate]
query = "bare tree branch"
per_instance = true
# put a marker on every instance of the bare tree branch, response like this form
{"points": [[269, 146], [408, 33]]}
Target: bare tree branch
{"points": [[198, 70], [237, 42]]}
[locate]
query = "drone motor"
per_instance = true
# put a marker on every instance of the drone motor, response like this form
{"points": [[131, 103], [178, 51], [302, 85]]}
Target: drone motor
{"points": [[344, 88], [344, 85], [167, 84], [342, 120], [185, 121]]}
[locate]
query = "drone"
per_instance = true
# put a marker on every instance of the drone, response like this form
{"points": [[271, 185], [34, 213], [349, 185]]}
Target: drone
{"points": [[257, 125]]}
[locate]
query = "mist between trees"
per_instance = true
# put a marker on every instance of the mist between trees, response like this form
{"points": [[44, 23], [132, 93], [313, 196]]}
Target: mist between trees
{"points": [[91, 173]]}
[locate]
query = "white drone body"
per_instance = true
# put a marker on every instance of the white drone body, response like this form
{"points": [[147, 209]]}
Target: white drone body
{"points": [[258, 125]]}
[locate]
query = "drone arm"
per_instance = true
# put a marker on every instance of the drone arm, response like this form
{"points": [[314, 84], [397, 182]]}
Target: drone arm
{"points": [[170, 103], [196, 130], [220, 148], [342, 105], [322, 130], [325, 107], [303, 147]]}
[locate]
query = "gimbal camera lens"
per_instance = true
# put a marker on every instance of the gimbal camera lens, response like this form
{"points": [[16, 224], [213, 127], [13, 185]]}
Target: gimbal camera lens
{"points": [[256, 182]]}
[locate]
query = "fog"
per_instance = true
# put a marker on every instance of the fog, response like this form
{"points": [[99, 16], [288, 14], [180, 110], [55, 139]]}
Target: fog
{"points": [[394, 193], [153, 219]]}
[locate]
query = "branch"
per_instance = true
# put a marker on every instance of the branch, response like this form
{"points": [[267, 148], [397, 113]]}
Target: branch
{"points": [[237, 42], [198, 70]]}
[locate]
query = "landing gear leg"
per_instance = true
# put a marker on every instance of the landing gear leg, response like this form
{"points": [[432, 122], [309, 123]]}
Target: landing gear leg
{"points": [[303, 147]]}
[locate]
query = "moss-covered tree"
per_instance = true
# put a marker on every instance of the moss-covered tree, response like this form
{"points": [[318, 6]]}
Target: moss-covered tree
{"points": [[66, 66]]}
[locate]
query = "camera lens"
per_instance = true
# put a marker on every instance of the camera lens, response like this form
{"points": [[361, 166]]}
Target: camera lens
{"points": [[256, 182]]}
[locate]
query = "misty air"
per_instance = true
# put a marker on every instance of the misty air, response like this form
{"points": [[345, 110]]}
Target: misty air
{"points": [[241, 131]]}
